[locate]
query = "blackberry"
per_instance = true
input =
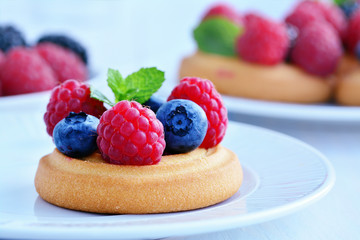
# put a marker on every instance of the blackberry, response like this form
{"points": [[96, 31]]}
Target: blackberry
{"points": [[10, 37], [66, 42]]}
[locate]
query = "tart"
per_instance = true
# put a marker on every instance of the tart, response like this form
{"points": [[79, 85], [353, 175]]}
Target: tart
{"points": [[118, 164], [300, 60]]}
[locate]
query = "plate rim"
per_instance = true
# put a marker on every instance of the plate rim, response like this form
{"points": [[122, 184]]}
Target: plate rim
{"points": [[292, 111]]}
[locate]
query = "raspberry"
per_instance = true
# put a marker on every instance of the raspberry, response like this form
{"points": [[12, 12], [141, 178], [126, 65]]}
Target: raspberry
{"points": [[70, 96], [264, 41], [225, 11], [203, 92], [66, 42], [24, 71], [317, 49], [130, 134], [353, 34], [10, 37], [313, 11], [335, 17], [2, 60], [304, 13], [65, 64], [2, 57]]}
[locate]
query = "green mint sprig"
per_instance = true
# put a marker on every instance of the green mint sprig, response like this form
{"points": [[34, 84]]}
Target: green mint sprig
{"points": [[217, 35], [138, 86]]}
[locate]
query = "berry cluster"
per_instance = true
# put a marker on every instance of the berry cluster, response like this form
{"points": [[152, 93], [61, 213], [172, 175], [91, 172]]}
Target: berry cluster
{"points": [[70, 96], [26, 69], [130, 133], [312, 36]]}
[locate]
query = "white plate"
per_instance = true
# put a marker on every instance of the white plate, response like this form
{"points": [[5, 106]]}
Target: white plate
{"points": [[291, 111], [282, 175]]}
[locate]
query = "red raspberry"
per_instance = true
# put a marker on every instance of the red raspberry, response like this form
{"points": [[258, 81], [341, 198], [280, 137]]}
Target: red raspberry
{"points": [[304, 13], [65, 63], [317, 49], [263, 42], [335, 16], [353, 34], [2, 57], [203, 92], [225, 11], [24, 71], [70, 96], [313, 11], [130, 134], [2, 60]]}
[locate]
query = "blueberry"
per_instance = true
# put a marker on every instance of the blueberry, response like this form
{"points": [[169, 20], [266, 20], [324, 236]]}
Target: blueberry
{"points": [[10, 37], [154, 103], [357, 50], [349, 7], [185, 125], [293, 34], [75, 135], [66, 42]]}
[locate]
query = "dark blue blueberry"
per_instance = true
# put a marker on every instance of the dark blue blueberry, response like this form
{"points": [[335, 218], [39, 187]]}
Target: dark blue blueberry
{"points": [[292, 33], [75, 135], [185, 125], [357, 50], [66, 42], [348, 7], [10, 37], [154, 103]]}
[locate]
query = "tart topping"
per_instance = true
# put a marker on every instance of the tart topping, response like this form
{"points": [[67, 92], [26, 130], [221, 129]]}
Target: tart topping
{"points": [[353, 35], [224, 11], [154, 103], [357, 50], [75, 135], [315, 11], [138, 86], [66, 42], [317, 49], [203, 92], [65, 64], [70, 96], [10, 37], [185, 125], [217, 35], [130, 134], [263, 42], [25, 71]]}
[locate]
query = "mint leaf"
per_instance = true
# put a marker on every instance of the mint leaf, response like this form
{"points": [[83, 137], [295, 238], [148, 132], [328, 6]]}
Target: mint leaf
{"points": [[147, 81], [341, 2], [117, 84], [99, 96], [217, 35], [138, 86]]}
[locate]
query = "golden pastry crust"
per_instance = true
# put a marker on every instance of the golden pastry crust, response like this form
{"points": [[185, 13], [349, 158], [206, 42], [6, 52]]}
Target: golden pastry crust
{"points": [[282, 82], [347, 91], [179, 182]]}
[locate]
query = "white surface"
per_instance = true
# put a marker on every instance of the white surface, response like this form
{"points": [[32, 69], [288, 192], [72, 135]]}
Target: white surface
{"points": [[281, 175], [310, 112], [158, 33]]}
